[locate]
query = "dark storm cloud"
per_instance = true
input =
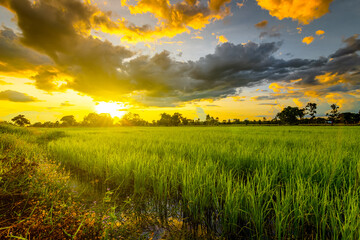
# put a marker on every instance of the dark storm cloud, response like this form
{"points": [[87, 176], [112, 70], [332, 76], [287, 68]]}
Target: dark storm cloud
{"points": [[60, 29], [16, 56], [353, 45], [15, 96]]}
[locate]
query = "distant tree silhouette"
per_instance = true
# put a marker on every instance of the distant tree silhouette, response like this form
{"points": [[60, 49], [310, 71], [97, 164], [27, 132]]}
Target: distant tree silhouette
{"points": [[334, 113], [68, 120], [211, 120], [349, 118], [176, 119], [20, 120], [132, 119], [165, 119], [290, 115], [98, 120], [311, 110]]}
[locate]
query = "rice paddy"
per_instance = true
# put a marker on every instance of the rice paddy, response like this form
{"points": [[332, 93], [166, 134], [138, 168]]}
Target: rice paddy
{"points": [[285, 182]]}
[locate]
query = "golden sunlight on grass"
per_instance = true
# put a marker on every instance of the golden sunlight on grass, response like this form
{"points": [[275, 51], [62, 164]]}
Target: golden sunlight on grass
{"points": [[115, 109]]}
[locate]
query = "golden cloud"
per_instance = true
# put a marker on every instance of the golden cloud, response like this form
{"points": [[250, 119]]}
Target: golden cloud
{"points": [[276, 87], [299, 10], [308, 40], [173, 19], [340, 89], [222, 39], [320, 32], [298, 102]]}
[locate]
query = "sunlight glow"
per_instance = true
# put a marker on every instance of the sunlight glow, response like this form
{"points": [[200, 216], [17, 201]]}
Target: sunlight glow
{"points": [[115, 109]]}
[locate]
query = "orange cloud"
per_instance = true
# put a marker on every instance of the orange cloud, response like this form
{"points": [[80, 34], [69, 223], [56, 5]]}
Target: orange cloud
{"points": [[222, 39], [276, 87], [308, 40], [327, 78], [173, 19], [298, 102], [261, 24], [299, 10], [320, 32], [337, 98]]}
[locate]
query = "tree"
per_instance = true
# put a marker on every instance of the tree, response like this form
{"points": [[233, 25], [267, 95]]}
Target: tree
{"points": [[334, 113], [165, 119], [98, 120], [68, 120], [290, 115], [311, 110], [132, 119], [349, 118], [176, 119], [20, 120], [211, 120]]}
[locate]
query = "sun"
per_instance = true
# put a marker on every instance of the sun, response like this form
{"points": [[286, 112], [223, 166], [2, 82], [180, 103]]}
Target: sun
{"points": [[115, 109]]}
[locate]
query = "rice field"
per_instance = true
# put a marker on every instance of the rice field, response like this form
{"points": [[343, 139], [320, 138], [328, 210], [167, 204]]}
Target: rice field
{"points": [[287, 182]]}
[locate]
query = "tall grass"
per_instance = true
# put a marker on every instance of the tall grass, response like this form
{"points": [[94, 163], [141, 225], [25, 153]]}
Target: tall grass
{"points": [[250, 182]]}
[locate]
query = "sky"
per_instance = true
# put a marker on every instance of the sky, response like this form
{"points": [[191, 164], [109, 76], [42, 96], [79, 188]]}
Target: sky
{"points": [[244, 59]]}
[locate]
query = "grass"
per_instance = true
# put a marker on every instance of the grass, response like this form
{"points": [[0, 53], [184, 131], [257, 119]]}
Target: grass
{"points": [[212, 182]]}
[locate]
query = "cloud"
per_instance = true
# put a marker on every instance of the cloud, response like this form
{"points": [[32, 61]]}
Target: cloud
{"points": [[240, 5], [67, 57], [353, 45], [4, 83], [16, 58], [271, 33], [197, 37], [173, 19], [320, 32], [261, 24], [298, 102], [298, 10], [66, 104], [268, 104], [308, 40], [200, 113], [15, 96], [222, 39]]}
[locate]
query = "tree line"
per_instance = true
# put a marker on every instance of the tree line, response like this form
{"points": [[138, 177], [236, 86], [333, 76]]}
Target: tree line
{"points": [[289, 115]]}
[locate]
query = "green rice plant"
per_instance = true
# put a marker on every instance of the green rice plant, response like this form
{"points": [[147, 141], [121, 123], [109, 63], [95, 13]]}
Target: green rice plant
{"points": [[236, 182]]}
